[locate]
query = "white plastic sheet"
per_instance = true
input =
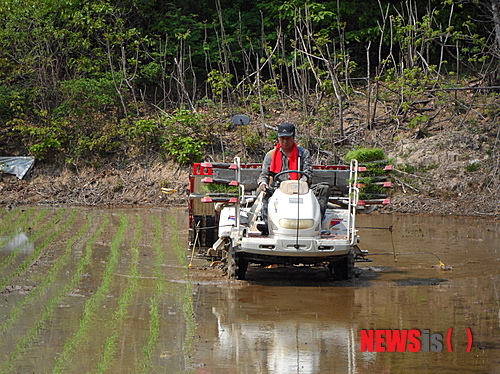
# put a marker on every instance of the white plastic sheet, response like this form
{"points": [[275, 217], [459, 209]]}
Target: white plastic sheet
{"points": [[18, 166]]}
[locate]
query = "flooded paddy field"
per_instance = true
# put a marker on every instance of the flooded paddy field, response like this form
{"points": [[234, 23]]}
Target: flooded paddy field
{"points": [[110, 291]]}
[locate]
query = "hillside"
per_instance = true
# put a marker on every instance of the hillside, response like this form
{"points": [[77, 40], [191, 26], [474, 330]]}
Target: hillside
{"points": [[445, 165], [116, 100]]}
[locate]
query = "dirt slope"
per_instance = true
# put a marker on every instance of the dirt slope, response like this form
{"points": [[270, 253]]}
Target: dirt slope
{"points": [[126, 185], [454, 175], [442, 174]]}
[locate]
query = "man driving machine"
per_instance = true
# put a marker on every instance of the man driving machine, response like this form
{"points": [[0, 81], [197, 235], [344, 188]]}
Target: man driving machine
{"points": [[287, 155]]}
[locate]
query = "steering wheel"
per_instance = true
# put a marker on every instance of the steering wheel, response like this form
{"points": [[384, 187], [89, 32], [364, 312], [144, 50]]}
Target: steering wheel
{"points": [[277, 178]]}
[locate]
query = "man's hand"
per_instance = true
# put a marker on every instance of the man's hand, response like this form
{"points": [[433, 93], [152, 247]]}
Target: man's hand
{"points": [[263, 187]]}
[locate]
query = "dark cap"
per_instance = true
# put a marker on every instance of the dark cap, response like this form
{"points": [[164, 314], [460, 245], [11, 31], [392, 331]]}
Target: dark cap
{"points": [[286, 129]]}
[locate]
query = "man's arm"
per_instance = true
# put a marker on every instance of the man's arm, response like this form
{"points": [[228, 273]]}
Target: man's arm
{"points": [[306, 164], [265, 173]]}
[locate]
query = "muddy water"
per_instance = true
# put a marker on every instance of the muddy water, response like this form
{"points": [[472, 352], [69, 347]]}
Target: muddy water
{"points": [[105, 291], [108, 290], [300, 321]]}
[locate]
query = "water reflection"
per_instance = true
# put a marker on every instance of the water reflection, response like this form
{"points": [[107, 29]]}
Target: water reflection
{"points": [[20, 243], [280, 329], [302, 322]]}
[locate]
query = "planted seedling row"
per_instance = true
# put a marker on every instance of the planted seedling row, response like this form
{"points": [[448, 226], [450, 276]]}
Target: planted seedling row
{"points": [[90, 290], [42, 289], [71, 346], [30, 336], [49, 238], [124, 302], [10, 230], [146, 362], [187, 299]]}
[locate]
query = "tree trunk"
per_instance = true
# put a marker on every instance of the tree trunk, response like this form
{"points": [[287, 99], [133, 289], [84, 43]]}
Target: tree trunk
{"points": [[495, 11]]}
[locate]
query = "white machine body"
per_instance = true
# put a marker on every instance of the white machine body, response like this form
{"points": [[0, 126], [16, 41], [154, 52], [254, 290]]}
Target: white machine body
{"points": [[292, 208]]}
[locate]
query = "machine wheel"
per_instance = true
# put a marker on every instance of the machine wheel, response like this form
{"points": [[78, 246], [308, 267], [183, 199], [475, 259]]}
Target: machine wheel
{"points": [[236, 266], [242, 269], [343, 269]]}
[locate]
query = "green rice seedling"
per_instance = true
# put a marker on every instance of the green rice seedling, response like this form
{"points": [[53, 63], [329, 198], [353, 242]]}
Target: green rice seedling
{"points": [[154, 333], [219, 188], [23, 222], [370, 188], [9, 259], [95, 301], [40, 217], [154, 328], [154, 314], [365, 155], [38, 249], [189, 313], [146, 365], [13, 228], [175, 240], [8, 215], [48, 312], [8, 223], [110, 347], [29, 337], [13, 255], [38, 291], [188, 302], [374, 170]]}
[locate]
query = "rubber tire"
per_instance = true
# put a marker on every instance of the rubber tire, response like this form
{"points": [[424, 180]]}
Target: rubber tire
{"points": [[343, 269], [242, 268], [236, 266]]}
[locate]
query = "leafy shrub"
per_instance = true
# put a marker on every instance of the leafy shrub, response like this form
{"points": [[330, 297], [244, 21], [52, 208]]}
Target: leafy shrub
{"points": [[185, 149], [417, 120], [252, 140], [143, 128], [144, 133], [101, 144], [83, 96], [43, 140], [219, 81], [184, 122], [185, 136], [11, 103]]}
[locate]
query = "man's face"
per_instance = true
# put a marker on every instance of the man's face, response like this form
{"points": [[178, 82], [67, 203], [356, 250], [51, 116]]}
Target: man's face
{"points": [[286, 142]]}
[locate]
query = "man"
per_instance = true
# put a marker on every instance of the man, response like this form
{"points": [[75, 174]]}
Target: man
{"points": [[288, 156]]}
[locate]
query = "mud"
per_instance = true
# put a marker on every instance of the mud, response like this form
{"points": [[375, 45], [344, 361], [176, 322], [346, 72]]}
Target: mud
{"points": [[298, 320], [80, 307], [61, 316]]}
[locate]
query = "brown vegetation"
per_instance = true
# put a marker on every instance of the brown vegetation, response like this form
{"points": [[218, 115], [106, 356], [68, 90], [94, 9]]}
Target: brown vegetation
{"points": [[445, 162]]}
